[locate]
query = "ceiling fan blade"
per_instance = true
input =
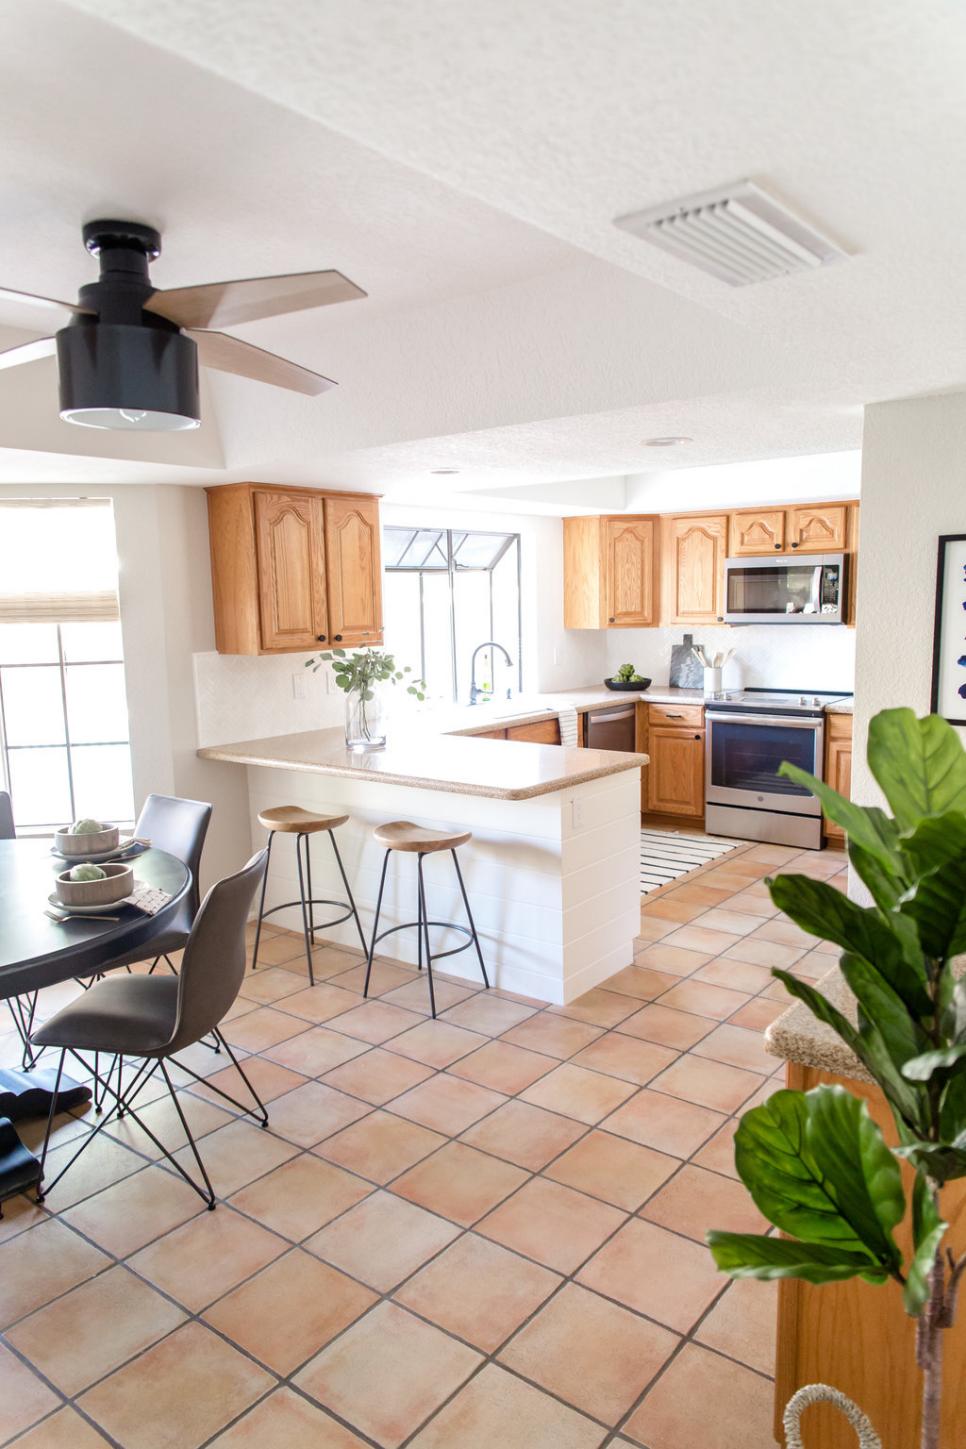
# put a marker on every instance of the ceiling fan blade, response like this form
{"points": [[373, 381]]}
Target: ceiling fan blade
{"points": [[230, 354], [24, 309], [226, 304], [28, 352]]}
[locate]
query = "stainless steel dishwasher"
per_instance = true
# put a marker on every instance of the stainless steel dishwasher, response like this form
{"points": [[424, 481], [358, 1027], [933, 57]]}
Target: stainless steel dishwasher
{"points": [[611, 729]]}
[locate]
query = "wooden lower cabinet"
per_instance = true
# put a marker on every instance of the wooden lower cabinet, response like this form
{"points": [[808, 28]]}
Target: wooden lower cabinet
{"points": [[857, 1337], [539, 732], [675, 775], [838, 764]]}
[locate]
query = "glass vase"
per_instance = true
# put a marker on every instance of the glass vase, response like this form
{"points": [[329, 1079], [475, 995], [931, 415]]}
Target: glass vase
{"points": [[364, 719]]}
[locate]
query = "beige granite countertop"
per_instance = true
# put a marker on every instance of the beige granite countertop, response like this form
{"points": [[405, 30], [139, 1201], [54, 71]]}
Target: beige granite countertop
{"points": [[841, 706], [528, 709], [796, 1036], [498, 769]]}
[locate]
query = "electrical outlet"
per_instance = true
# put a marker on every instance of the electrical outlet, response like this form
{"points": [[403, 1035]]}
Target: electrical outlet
{"points": [[300, 685], [577, 814], [329, 679]]}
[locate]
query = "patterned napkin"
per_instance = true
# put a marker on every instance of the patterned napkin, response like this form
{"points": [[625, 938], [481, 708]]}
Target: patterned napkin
{"points": [[146, 899]]}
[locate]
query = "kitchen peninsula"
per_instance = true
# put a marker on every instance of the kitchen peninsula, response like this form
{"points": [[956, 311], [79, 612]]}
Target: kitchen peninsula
{"points": [[553, 869]]}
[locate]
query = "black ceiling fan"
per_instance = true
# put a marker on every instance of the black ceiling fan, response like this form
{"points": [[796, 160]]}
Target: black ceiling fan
{"points": [[128, 353]]}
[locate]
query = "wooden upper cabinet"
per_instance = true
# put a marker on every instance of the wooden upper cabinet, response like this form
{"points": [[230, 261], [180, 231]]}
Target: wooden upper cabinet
{"points": [[291, 567], [754, 531], [291, 570], [629, 572], [610, 573], [355, 570], [819, 528], [694, 554]]}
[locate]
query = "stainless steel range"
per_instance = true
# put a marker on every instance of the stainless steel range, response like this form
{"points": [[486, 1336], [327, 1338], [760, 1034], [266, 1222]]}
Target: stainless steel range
{"points": [[748, 736]]}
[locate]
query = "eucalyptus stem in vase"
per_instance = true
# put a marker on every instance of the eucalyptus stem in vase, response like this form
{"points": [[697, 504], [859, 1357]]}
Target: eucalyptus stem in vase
{"points": [[361, 676], [816, 1164]]}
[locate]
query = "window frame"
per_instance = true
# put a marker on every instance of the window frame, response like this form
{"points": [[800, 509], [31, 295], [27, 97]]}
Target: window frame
{"points": [[452, 569], [61, 664]]}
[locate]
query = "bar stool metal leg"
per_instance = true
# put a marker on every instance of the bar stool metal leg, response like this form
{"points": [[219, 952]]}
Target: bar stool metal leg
{"points": [[424, 928], [348, 891], [375, 924], [261, 903], [308, 881], [302, 899], [469, 917]]}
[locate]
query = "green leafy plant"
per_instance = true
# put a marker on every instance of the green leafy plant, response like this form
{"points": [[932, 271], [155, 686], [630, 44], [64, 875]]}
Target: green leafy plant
{"points": [[627, 674], [359, 671], [816, 1164]]}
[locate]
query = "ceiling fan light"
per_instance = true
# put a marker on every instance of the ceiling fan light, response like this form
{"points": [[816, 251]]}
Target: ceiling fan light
{"points": [[128, 378]]}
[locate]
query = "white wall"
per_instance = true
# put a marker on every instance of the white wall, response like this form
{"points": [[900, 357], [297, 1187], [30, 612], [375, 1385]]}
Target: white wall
{"points": [[742, 485], [768, 656], [165, 597], [913, 490]]}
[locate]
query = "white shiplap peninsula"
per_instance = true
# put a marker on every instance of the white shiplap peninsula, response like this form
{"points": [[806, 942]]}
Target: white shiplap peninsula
{"points": [[552, 871]]}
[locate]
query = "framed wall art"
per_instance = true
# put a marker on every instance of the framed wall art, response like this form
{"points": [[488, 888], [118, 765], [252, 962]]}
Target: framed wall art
{"points": [[949, 634]]}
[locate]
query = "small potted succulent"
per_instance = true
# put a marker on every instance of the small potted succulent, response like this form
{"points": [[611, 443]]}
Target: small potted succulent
{"points": [[362, 675]]}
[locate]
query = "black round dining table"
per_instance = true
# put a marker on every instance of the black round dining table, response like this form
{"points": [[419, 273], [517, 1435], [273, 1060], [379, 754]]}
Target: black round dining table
{"points": [[36, 951]]}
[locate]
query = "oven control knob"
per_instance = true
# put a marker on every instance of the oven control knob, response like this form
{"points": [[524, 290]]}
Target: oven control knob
{"points": [[802, 699]]}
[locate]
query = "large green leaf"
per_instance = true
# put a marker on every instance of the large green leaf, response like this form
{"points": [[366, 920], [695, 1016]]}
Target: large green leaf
{"points": [[825, 912], [882, 1010], [868, 1045], [935, 840], [938, 907], [919, 764], [922, 1068], [927, 1233], [818, 1168], [870, 827], [884, 886], [750, 1255]]}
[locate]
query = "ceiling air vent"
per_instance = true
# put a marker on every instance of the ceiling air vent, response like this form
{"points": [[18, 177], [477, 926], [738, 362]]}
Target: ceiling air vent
{"points": [[738, 233]]}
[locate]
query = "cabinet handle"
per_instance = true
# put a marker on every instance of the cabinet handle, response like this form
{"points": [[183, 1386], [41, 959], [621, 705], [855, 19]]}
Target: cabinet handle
{"points": [[778, 546], [794, 545], [697, 737], [337, 638], [674, 716], [321, 638], [720, 619], [612, 621]]}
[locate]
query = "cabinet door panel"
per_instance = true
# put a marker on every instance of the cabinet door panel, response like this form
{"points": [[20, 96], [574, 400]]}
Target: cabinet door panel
{"points": [[838, 774], [629, 566], [291, 570], [757, 532], [539, 732], [354, 563], [818, 528], [675, 775], [696, 561]]}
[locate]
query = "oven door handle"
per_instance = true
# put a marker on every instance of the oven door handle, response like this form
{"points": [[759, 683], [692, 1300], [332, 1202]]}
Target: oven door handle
{"points": [[786, 721]]}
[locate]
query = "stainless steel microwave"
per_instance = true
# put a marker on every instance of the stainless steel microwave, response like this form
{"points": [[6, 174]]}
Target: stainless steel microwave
{"points": [[786, 589]]}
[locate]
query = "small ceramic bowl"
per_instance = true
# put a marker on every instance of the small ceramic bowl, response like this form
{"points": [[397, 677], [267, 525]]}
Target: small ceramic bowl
{"points": [[117, 882], [82, 846]]}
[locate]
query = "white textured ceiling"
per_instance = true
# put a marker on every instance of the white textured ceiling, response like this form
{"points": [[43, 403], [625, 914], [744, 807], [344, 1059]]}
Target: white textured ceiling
{"points": [[463, 163]]}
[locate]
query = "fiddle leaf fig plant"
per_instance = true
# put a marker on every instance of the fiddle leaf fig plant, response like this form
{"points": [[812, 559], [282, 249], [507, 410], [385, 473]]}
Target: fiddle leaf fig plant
{"points": [[816, 1164]]}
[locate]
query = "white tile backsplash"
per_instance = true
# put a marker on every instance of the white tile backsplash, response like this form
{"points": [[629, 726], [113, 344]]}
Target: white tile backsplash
{"points": [[767, 656], [248, 697]]}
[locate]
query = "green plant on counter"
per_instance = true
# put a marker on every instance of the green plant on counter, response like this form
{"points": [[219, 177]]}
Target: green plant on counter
{"points": [[816, 1164], [627, 674], [363, 668]]}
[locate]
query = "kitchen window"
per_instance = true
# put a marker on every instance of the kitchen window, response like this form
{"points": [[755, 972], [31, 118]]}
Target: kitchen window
{"points": [[64, 744], [447, 590]]}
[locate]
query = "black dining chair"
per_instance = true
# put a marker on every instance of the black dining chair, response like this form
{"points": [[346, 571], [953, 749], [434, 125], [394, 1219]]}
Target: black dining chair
{"points": [[178, 827], [152, 1018]]}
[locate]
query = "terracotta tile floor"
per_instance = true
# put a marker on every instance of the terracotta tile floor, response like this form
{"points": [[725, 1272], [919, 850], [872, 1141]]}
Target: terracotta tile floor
{"points": [[481, 1233]]}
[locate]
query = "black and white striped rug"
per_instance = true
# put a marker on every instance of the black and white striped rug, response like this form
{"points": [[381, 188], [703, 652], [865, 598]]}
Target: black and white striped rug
{"points": [[668, 854]]}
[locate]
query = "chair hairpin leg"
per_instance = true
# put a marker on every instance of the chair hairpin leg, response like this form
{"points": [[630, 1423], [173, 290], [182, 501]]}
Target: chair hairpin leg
{"points": [[50, 1123], [263, 1110], [210, 1196], [375, 924], [261, 902], [44, 1188]]}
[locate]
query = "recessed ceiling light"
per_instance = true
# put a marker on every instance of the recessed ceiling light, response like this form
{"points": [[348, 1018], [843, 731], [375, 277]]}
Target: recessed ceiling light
{"points": [[441, 471], [666, 442]]}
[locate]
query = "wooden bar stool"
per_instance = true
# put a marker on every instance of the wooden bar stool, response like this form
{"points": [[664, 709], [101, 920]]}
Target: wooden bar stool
{"points": [[293, 820], [419, 841]]}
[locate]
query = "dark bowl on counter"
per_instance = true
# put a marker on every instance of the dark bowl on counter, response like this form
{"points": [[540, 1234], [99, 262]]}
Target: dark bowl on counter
{"points": [[629, 686]]}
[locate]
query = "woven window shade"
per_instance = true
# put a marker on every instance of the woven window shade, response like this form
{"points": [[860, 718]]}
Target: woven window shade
{"points": [[58, 561]]}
